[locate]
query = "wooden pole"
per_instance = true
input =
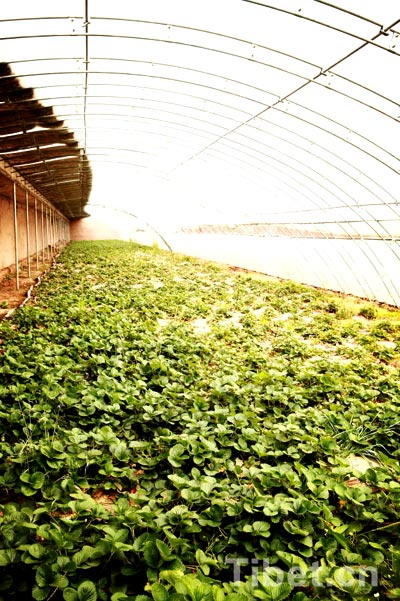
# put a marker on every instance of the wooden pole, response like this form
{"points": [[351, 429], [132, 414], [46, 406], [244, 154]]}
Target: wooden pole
{"points": [[28, 234], [16, 253], [47, 234], [36, 237], [43, 259]]}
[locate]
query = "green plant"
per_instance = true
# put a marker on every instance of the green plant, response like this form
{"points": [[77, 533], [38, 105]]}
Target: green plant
{"points": [[368, 311], [141, 455]]}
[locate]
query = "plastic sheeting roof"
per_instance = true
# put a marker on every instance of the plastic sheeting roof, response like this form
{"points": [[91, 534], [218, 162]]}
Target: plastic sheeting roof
{"points": [[283, 112]]}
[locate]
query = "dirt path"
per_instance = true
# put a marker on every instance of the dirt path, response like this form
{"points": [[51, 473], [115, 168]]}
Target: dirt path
{"points": [[10, 297]]}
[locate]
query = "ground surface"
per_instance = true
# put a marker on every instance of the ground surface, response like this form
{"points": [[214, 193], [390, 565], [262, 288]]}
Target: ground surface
{"points": [[10, 297]]}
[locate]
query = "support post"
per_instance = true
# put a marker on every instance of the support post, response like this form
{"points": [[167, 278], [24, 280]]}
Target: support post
{"points": [[36, 237], [16, 253], [53, 232], [47, 234], [50, 236], [43, 259], [28, 234]]}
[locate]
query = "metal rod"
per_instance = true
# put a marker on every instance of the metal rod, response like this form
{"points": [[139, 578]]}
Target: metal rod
{"points": [[28, 236], [36, 236], [16, 254]]}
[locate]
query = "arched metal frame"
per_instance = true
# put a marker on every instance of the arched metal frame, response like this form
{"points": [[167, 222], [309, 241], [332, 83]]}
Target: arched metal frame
{"points": [[168, 115]]}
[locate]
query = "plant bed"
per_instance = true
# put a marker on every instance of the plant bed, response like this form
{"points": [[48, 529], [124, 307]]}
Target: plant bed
{"points": [[172, 430]]}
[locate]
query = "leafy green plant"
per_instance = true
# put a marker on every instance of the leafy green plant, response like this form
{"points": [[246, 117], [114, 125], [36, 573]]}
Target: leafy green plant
{"points": [[368, 311], [162, 418]]}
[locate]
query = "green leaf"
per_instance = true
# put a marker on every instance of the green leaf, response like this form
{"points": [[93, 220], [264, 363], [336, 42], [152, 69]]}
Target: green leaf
{"points": [[275, 591], [151, 554], [218, 594], [87, 591], [194, 589], [7, 556], [293, 561], [172, 576], [60, 581], [44, 575], [159, 592], [70, 594], [40, 594], [84, 555], [37, 550], [344, 579], [37, 480], [120, 452], [262, 528], [25, 477], [28, 491], [164, 551], [177, 455], [201, 557]]}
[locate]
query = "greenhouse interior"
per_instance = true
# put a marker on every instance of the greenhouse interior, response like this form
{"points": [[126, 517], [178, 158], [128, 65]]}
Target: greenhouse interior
{"points": [[200, 300]]}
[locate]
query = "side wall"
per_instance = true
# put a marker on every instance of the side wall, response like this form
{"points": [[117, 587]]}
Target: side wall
{"points": [[30, 227]]}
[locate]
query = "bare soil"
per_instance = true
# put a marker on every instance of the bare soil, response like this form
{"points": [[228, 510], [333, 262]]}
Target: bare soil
{"points": [[10, 297]]}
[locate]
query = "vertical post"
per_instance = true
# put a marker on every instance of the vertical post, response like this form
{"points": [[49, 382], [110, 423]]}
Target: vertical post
{"points": [[36, 237], [47, 234], [52, 233], [51, 249], [50, 243], [16, 254], [28, 234], [42, 233], [53, 230], [56, 230]]}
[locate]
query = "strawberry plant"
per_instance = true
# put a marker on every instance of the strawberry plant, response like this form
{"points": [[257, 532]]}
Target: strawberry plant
{"points": [[170, 429]]}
